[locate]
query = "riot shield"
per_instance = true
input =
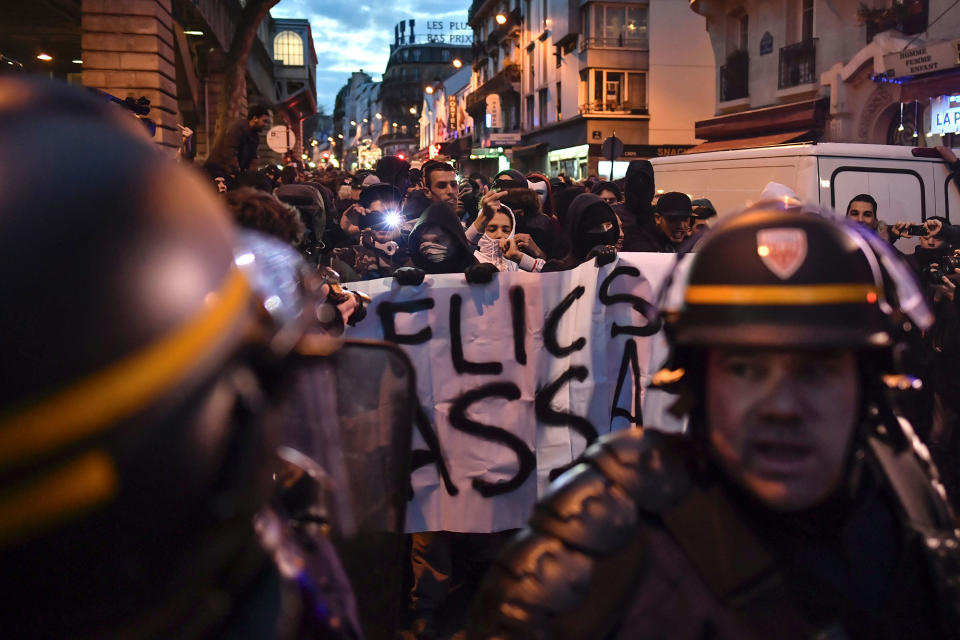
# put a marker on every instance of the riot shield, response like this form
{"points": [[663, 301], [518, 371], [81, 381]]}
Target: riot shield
{"points": [[351, 410]]}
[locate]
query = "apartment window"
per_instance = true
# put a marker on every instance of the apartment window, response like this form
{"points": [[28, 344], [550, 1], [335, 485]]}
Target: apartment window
{"points": [[614, 91], [533, 78], [288, 48], [542, 98], [607, 25], [559, 107], [806, 20], [530, 124]]}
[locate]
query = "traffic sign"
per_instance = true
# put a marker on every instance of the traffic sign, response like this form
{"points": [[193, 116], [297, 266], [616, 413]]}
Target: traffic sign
{"points": [[281, 138]]}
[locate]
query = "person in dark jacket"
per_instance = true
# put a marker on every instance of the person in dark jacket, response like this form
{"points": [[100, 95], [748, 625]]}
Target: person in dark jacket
{"points": [[608, 191], [535, 231], [672, 221], [437, 243], [236, 149], [636, 212], [593, 230]]}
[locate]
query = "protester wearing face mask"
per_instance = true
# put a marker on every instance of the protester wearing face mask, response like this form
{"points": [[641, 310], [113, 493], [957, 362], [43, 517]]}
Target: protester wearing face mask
{"points": [[437, 243], [593, 231], [498, 246]]}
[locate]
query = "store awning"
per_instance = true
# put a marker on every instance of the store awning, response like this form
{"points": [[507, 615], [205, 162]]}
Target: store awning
{"points": [[530, 149], [771, 140], [922, 89]]}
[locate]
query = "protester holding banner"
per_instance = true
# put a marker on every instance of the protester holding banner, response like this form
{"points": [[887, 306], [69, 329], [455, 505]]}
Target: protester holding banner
{"points": [[592, 231]]}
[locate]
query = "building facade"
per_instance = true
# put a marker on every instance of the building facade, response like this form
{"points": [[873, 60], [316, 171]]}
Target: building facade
{"points": [[171, 52], [808, 70], [553, 79]]}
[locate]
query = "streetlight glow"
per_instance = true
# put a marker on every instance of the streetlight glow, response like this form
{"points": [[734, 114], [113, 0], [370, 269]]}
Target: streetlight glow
{"points": [[353, 123], [46, 57], [457, 63], [413, 111], [379, 116], [501, 19], [429, 89]]}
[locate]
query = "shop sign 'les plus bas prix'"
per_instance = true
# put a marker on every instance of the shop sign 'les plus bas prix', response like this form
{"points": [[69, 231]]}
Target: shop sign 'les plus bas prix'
{"points": [[936, 56], [441, 31]]}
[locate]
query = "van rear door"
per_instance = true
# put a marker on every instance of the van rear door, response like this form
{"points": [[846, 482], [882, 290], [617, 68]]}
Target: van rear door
{"points": [[904, 189]]}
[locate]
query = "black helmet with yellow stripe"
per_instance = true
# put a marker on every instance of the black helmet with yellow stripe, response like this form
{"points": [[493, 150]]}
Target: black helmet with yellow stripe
{"points": [[778, 276], [130, 435]]}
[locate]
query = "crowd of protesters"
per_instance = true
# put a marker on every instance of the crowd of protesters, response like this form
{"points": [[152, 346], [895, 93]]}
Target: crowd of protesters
{"points": [[401, 222]]}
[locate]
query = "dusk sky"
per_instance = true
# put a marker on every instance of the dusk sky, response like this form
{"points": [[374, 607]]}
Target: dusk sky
{"points": [[350, 36]]}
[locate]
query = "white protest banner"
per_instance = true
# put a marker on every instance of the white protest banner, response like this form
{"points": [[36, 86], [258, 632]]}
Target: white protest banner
{"points": [[514, 378]]}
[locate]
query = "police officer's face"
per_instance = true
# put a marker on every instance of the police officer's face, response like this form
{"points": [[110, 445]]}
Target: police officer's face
{"points": [[780, 422]]}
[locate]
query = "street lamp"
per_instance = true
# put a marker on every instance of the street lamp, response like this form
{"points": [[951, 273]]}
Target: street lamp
{"points": [[429, 89], [353, 123], [379, 116], [457, 63], [501, 18], [46, 57], [413, 111]]}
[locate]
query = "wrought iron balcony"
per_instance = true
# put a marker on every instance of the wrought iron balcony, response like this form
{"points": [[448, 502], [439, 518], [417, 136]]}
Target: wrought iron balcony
{"points": [[798, 64]]}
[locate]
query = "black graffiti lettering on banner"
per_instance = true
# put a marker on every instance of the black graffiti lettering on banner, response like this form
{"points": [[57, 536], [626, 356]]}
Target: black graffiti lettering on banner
{"points": [[459, 420], [551, 417], [630, 360], [460, 363], [387, 311], [553, 321], [519, 314], [432, 455], [643, 307]]}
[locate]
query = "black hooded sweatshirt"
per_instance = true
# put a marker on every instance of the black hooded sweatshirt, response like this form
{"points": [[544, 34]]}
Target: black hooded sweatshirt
{"points": [[460, 253], [586, 212], [637, 211]]}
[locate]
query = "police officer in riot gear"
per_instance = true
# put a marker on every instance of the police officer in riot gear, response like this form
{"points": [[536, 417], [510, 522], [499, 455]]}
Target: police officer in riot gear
{"points": [[797, 505], [141, 371]]}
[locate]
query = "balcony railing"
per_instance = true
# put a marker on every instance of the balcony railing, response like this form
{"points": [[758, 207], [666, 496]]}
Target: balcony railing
{"points": [[798, 64], [620, 42], [626, 108], [735, 78]]}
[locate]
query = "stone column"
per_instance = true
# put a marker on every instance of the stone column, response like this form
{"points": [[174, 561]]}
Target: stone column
{"points": [[128, 52]]}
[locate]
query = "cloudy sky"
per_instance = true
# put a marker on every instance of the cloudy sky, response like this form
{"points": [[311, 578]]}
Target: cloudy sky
{"points": [[350, 35]]}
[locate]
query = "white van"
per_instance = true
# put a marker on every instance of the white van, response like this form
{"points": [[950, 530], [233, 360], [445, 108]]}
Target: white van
{"points": [[905, 187]]}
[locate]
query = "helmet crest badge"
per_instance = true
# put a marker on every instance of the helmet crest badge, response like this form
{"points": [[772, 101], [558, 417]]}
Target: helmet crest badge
{"points": [[783, 250]]}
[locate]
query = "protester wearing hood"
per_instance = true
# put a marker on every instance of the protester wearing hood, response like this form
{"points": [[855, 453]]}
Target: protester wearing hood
{"points": [[541, 184], [609, 192], [380, 251], [562, 200], [509, 179], [636, 212], [437, 243], [499, 246], [537, 234], [393, 170], [592, 230]]}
